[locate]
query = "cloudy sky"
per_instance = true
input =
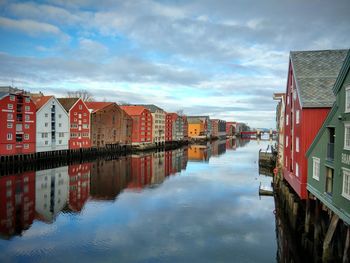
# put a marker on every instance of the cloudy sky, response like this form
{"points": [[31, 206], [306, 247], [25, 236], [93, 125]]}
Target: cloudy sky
{"points": [[221, 58]]}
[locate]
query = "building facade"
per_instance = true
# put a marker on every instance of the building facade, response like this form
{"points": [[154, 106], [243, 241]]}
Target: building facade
{"points": [[280, 97], [142, 123], [309, 97], [107, 124], [158, 123], [218, 128], [79, 121], [52, 125], [185, 127], [18, 122], [329, 154], [230, 128]]}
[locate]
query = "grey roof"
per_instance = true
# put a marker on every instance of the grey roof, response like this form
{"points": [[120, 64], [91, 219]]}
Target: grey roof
{"points": [[315, 73], [151, 107]]}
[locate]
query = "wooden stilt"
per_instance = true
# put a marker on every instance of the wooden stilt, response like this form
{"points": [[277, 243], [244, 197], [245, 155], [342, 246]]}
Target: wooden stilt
{"points": [[346, 256], [328, 238]]}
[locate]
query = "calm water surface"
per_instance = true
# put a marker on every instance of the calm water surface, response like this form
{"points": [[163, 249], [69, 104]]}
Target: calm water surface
{"points": [[199, 204]]}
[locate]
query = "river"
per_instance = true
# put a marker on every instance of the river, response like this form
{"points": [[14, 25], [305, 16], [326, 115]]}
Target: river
{"points": [[195, 204]]}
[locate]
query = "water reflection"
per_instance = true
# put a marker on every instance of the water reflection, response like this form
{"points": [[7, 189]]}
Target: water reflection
{"points": [[133, 209]]}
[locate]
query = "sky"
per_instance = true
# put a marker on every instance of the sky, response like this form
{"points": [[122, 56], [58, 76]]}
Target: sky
{"points": [[222, 58]]}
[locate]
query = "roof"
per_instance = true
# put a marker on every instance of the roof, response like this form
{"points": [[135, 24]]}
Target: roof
{"points": [[67, 103], [342, 75], [151, 107], [96, 106], [315, 73], [133, 110], [40, 101], [194, 121]]}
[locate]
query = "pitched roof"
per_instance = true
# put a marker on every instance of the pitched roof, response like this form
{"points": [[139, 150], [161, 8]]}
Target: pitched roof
{"points": [[315, 73], [40, 101], [96, 106], [342, 75], [133, 110], [151, 107], [194, 121], [67, 103]]}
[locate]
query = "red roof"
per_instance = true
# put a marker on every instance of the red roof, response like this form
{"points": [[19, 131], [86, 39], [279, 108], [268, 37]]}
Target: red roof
{"points": [[96, 106], [40, 101], [133, 110]]}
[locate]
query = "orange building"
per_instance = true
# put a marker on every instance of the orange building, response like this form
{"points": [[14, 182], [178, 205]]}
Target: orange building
{"points": [[195, 127], [141, 123]]}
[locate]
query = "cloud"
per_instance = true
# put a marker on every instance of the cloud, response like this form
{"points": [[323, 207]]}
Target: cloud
{"points": [[31, 27]]}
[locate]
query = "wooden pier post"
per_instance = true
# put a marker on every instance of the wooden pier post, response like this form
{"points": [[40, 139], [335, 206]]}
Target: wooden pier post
{"points": [[328, 238]]}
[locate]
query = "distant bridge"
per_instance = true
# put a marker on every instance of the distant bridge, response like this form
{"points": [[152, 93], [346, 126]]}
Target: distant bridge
{"points": [[257, 133]]}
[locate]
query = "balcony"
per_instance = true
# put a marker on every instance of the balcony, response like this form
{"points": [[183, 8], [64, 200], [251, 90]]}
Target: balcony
{"points": [[330, 152]]}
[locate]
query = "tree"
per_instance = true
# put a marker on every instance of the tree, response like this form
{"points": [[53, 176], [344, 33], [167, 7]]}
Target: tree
{"points": [[82, 94]]}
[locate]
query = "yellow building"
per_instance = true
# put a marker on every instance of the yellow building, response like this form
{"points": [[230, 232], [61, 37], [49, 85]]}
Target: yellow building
{"points": [[195, 128]]}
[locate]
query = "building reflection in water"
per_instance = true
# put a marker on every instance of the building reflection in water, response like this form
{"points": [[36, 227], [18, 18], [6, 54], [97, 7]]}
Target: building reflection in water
{"points": [[218, 147], [17, 203], [199, 152], [52, 190], [79, 185], [43, 194], [109, 178], [231, 144]]}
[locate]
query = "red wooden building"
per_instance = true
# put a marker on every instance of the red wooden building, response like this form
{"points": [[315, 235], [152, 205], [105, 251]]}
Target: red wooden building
{"points": [[79, 120], [141, 123], [17, 122], [230, 128], [309, 97]]}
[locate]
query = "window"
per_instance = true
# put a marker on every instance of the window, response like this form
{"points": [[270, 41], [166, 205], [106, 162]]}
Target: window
{"points": [[27, 99], [12, 98], [46, 124], [27, 117], [347, 136], [46, 142], [297, 144], [80, 107], [9, 147], [46, 115], [316, 168], [347, 99], [329, 181], [26, 136], [26, 146], [288, 99], [26, 126], [27, 108], [346, 183], [60, 116], [60, 125], [297, 117], [286, 141], [9, 136], [79, 116], [9, 125], [287, 119], [297, 169], [294, 95], [10, 106], [10, 116]]}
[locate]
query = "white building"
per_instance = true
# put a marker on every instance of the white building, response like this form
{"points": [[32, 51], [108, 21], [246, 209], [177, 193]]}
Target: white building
{"points": [[158, 117], [52, 125], [51, 192]]}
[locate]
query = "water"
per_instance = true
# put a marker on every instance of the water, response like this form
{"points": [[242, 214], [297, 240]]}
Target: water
{"points": [[199, 204]]}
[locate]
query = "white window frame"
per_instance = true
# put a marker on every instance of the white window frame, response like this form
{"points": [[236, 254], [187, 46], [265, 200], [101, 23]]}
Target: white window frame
{"points": [[27, 99], [297, 117], [10, 125], [294, 95], [12, 98], [10, 106], [27, 108], [347, 90], [297, 142], [346, 125], [26, 136], [286, 141], [9, 136], [296, 169], [287, 120], [9, 147], [346, 179], [316, 173]]}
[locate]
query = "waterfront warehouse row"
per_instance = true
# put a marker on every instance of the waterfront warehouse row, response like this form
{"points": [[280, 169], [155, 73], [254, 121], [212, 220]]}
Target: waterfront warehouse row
{"points": [[35, 123]]}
